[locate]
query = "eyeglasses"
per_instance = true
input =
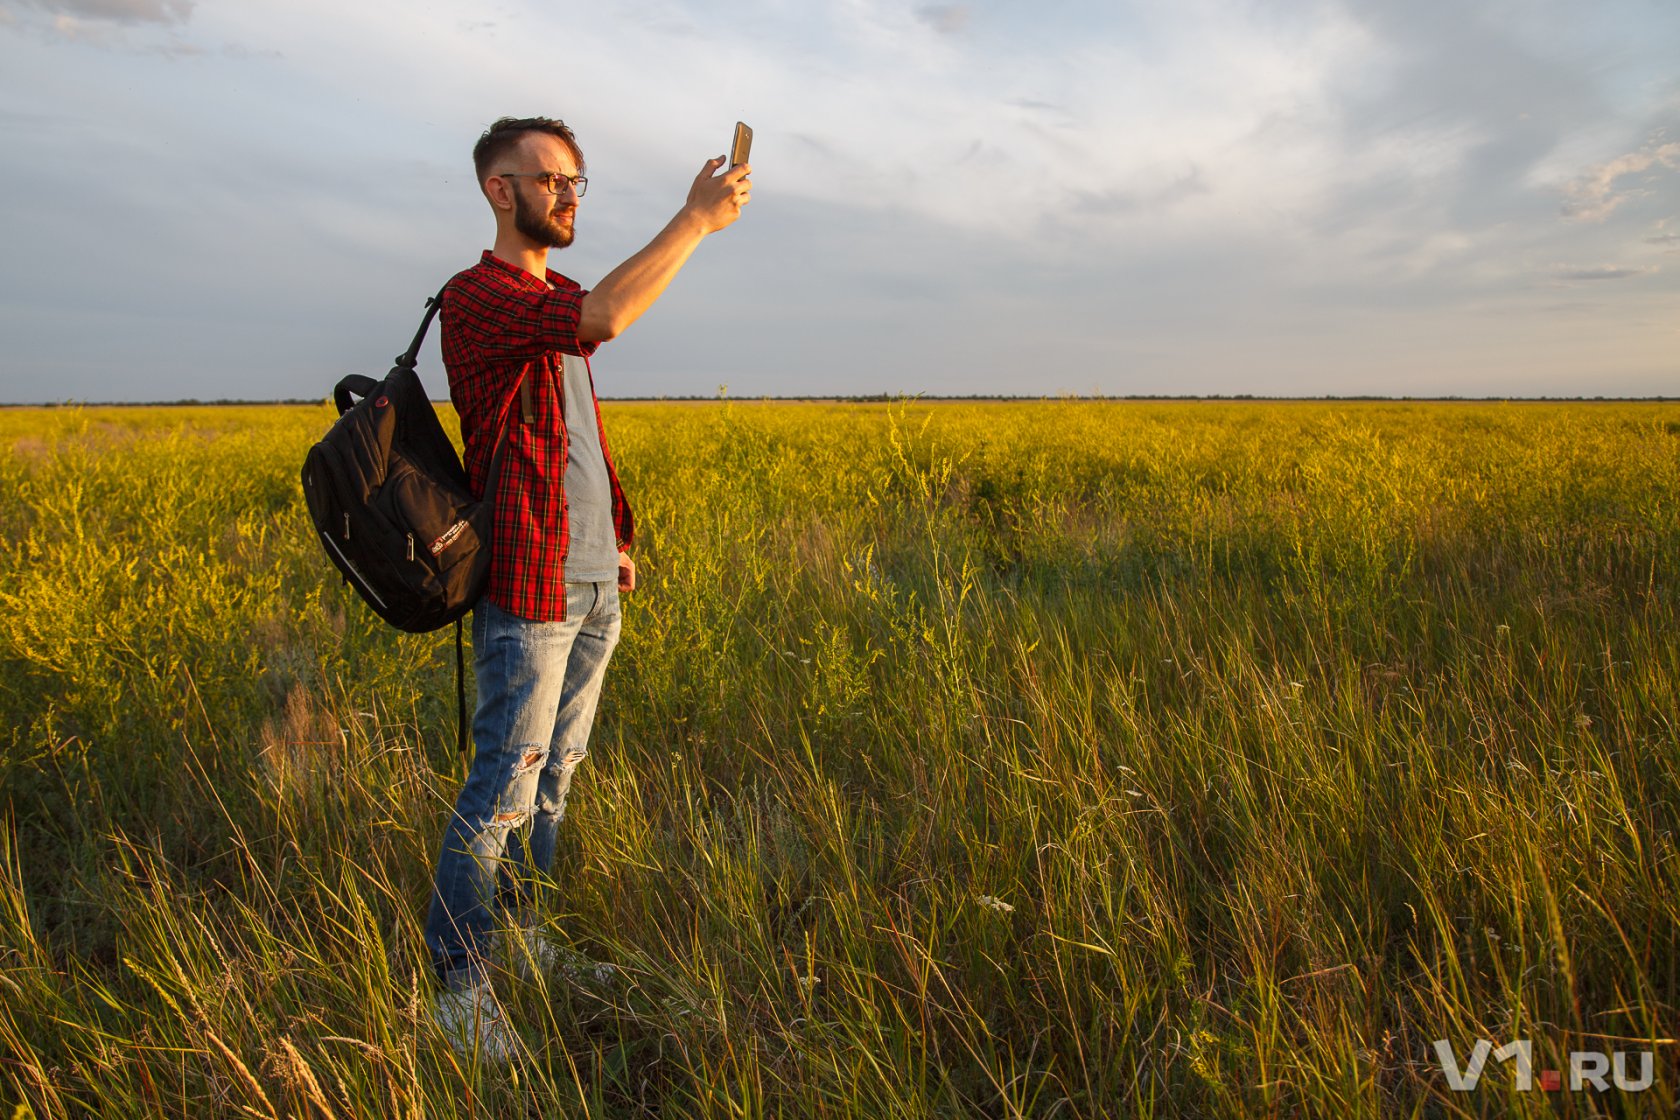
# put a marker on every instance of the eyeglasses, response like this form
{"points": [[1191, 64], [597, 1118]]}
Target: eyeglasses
{"points": [[551, 181]]}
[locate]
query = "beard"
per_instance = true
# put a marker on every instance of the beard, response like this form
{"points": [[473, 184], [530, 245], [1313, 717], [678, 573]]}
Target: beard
{"points": [[540, 224]]}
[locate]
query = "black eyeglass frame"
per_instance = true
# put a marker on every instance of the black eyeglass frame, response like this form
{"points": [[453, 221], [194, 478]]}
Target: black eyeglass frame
{"points": [[550, 180]]}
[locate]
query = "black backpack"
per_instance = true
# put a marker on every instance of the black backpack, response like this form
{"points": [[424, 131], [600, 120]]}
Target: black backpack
{"points": [[390, 500]]}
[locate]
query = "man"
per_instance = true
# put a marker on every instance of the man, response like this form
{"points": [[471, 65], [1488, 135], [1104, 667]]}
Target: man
{"points": [[516, 338]]}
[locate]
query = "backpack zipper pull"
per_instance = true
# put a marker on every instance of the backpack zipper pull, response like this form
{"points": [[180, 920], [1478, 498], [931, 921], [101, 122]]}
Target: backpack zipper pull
{"points": [[346, 524], [411, 546]]}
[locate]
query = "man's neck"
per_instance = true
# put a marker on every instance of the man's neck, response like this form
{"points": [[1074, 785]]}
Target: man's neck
{"points": [[520, 253]]}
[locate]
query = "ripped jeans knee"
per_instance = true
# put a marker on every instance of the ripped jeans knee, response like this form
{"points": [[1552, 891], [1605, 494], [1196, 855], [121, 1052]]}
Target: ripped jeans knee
{"points": [[556, 782]]}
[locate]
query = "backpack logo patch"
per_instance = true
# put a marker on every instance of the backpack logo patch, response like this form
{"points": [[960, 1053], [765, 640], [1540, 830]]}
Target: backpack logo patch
{"points": [[448, 537]]}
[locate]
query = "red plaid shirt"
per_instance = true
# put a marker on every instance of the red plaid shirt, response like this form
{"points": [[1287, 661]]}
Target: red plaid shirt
{"points": [[501, 323]]}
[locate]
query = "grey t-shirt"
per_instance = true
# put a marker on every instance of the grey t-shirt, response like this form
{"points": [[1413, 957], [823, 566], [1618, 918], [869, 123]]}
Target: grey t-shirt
{"points": [[592, 553]]}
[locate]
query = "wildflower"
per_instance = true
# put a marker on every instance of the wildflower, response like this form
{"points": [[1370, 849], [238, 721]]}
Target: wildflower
{"points": [[1583, 720], [997, 904]]}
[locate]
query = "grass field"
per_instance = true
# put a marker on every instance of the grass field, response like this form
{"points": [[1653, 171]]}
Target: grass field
{"points": [[1067, 759]]}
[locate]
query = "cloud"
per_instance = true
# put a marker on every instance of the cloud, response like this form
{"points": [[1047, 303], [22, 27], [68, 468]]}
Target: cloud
{"points": [[119, 11], [1128, 201], [1603, 272], [82, 31], [1144, 195], [1594, 197], [947, 19], [153, 27]]}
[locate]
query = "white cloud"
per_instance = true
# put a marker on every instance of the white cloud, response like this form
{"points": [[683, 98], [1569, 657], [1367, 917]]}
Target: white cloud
{"points": [[1602, 272], [1594, 196], [947, 18], [119, 11], [1185, 186], [155, 27], [1207, 118]]}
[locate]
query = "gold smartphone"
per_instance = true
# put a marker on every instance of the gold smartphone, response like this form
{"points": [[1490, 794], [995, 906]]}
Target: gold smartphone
{"points": [[741, 146]]}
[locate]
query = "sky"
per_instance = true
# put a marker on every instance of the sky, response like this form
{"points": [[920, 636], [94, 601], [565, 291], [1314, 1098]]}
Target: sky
{"points": [[249, 199]]}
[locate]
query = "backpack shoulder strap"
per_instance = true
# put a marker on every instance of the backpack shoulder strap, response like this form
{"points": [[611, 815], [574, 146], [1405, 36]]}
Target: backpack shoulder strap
{"points": [[409, 357]]}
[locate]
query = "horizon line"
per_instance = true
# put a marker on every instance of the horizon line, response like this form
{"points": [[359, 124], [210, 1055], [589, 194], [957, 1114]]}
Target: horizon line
{"points": [[888, 398]]}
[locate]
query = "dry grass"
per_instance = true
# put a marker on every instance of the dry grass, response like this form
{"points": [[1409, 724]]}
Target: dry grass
{"points": [[1042, 759]]}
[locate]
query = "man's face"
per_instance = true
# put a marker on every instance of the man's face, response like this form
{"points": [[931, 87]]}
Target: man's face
{"points": [[544, 218]]}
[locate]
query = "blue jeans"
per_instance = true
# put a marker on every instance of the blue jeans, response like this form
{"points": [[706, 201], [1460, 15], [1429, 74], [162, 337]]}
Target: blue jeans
{"points": [[538, 684]]}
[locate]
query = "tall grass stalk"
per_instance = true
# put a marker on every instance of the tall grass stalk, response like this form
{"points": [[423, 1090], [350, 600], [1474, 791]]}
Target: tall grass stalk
{"points": [[1065, 759]]}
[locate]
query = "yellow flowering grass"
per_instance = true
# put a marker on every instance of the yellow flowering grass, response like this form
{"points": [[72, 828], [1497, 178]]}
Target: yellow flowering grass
{"points": [[1057, 758]]}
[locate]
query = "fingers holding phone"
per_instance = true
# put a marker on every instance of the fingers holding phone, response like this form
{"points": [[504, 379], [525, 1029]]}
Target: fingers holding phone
{"points": [[716, 199]]}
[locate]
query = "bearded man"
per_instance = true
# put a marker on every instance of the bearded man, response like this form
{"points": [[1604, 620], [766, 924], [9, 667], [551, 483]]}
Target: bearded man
{"points": [[517, 337]]}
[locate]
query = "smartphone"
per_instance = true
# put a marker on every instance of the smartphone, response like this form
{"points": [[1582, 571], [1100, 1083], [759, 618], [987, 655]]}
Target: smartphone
{"points": [[741, 146]]}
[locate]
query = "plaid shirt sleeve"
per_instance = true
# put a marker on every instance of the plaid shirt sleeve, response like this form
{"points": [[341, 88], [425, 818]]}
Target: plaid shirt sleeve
{"points": [[501, 324]]}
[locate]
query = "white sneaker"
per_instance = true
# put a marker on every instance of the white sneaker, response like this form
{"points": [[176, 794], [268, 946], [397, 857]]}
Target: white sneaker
{"points": [[580, 970], [530, 952], [473, 1022], [535, 952]]}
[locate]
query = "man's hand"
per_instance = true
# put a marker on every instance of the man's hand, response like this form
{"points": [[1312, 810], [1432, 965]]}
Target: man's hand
{"points": [[716, 200], [626, 572]]}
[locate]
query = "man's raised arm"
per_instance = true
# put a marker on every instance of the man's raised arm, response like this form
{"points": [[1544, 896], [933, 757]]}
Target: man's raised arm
{"points": [[630, 289]]}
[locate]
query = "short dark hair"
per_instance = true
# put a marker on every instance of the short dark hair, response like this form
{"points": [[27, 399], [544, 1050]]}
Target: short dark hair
{"points": [[503, 136]]}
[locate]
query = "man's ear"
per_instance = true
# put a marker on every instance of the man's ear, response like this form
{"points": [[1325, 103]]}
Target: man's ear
{"points": [[499, 191]]}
